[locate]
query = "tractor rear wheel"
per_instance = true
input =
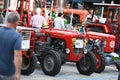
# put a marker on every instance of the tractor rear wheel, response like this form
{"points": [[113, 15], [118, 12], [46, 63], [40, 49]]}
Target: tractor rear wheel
{"points": [[87, 64], [28, 65], [100, 63], [50, 62]]}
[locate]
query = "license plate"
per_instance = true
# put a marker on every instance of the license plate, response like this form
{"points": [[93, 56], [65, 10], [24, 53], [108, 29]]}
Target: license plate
{"points": [[79, 44], [25, 44]]}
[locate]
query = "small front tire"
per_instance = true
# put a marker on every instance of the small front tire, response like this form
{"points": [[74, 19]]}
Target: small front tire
{"points": [[50, 62], [100, 63], [87, 64], [28, 65]]}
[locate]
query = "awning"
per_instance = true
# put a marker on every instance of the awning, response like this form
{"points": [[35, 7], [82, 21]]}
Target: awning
{"points": [[92, 0], [79, 1]]}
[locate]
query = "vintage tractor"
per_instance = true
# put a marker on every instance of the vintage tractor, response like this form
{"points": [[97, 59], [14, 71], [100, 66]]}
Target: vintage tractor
{"points": [[107, 28], [54, 47], [76, 17], [29, 59]]}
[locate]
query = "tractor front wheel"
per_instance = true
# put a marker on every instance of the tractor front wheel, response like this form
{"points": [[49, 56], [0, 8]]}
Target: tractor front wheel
{"points": [[87, 64], [28, 65], [50, 62], [100, 63]]}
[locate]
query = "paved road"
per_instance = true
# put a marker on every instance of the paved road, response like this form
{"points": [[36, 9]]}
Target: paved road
{"points": [[69, 72]]}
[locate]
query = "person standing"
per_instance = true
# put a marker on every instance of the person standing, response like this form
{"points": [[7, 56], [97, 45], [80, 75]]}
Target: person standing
{"points": [[59, 22], [10, 49], [119, 75], [37, 20], [91, 16]]}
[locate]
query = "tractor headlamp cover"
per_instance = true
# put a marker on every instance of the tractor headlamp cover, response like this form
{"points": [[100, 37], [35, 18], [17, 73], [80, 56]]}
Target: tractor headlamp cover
{"points": [[67, 50]]}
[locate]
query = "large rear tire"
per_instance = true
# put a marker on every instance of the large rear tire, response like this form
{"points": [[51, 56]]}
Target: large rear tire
{"points": [[87, 65], [100, 63], [50, 62], [28, 65]]}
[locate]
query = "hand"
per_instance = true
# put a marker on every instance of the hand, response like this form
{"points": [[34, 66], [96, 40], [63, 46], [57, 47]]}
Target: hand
{"points": [[17, 77]]}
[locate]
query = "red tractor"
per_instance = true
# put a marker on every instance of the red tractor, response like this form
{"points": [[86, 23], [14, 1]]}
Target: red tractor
{"points": [[54, 47], [107, 28], [29, 58]]}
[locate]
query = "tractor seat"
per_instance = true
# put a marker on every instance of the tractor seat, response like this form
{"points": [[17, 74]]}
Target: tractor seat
{"points": [[38, 32]]}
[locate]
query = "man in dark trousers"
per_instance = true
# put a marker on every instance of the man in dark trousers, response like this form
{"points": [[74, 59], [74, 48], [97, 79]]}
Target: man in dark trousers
{"points": [[10, 49]]}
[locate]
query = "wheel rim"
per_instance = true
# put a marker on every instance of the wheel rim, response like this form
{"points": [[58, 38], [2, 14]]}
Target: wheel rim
{"points": [[85, 63], [98, 60], [25, 63], [49, 63]]}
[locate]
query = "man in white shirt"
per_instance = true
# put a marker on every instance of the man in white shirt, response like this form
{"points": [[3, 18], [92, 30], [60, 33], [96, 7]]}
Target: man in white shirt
{"points": [[37, 20], [90, 16], [59, 22]]}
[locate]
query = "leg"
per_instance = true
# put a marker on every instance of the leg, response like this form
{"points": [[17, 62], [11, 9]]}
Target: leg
{"points": [[119, 75]]}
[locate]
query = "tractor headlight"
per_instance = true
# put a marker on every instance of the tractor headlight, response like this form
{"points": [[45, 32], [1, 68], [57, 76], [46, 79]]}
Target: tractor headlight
{"points": [[67, 50]]}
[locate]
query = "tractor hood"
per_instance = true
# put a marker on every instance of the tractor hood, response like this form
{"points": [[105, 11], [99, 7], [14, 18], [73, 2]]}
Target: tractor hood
{"points": [[99, 27], [97, 35], [109, 40], [75, 11], [81, 13], [64, 34]]}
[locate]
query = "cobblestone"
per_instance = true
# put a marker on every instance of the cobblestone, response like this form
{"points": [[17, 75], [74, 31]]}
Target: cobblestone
{"points": [[69, 72]]}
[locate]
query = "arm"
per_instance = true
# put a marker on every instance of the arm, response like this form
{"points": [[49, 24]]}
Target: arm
{"points": [[18, 63], [31, 21], [62, 25], [18, 57]]}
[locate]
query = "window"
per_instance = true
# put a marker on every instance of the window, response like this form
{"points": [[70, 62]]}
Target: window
{"points": [[97, 29]]}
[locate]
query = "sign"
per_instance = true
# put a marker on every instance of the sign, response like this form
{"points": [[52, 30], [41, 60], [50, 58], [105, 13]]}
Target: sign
{"points": [[79, 43]]}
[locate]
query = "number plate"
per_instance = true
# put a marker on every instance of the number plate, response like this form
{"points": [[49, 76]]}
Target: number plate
{"points": [[25, 44], [79, 44]]}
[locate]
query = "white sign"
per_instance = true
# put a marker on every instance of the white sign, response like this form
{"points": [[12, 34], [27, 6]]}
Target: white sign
{"points": [[79, 44], [25, 44]]}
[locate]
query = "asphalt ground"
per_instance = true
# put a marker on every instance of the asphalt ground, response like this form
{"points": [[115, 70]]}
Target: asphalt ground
{"points": [[69, 72]]}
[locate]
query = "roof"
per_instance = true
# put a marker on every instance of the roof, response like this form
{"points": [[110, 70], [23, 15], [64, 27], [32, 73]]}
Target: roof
{"points": [[101, 4]]}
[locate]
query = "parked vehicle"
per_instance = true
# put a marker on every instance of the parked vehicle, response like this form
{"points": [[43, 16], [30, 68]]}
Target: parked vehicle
{"points": [[54, 47], [107, 28], [29, 58]]}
